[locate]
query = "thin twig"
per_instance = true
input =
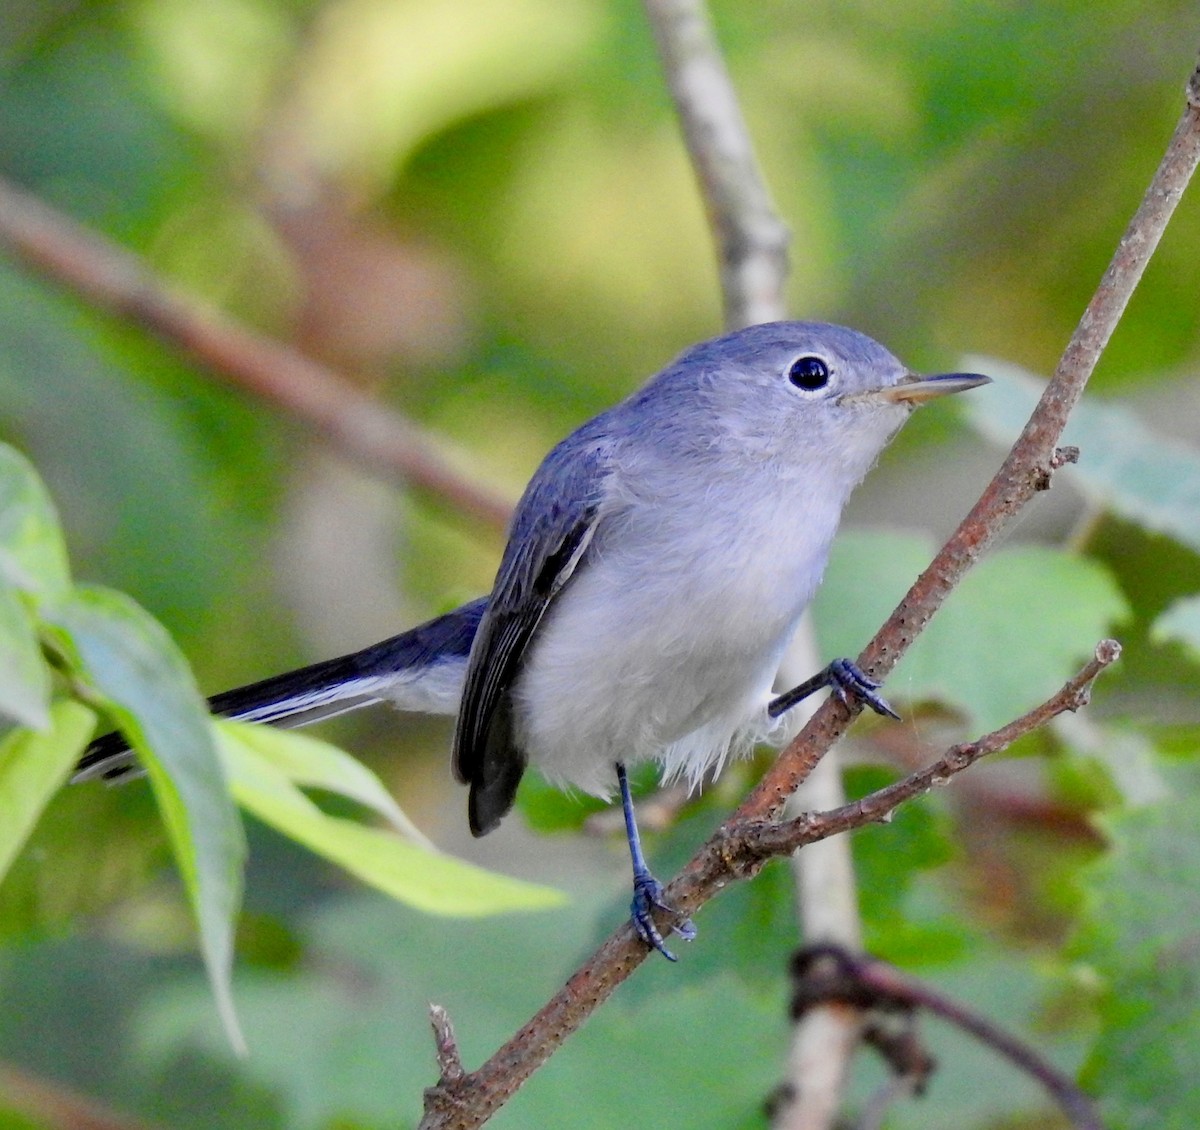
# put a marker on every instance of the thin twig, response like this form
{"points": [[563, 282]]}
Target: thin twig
{"points": [[752, 239], [113, 279], [775, 838], [449, 1059]]}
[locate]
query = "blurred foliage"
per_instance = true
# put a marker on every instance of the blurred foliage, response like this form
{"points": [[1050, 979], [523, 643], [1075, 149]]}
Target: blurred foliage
{"points": [[481, 210]]}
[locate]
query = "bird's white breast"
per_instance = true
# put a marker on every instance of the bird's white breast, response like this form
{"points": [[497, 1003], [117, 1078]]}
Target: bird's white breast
{"points": [[665, 643]]}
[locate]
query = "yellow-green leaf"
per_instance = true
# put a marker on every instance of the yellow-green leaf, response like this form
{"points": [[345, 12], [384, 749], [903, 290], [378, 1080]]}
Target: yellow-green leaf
{"points": [[311, 763], [425, 879], [33, 555], [24, 674], [33, 767], [134, 667]]}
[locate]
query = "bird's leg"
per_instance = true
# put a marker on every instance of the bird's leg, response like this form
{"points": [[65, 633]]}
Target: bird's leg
{"points": [[842, 677], [647, 890]]}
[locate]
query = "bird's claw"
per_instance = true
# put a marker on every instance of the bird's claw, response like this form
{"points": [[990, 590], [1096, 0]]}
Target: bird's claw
{"points": [[846, 679], [648, 897]]}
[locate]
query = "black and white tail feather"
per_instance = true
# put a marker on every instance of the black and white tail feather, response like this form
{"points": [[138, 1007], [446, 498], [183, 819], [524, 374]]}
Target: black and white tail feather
{"points": [[421, 670]]}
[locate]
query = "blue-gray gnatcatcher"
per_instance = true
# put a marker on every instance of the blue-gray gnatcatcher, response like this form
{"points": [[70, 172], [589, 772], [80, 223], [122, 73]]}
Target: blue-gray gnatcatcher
{"points": [[656, 569]]}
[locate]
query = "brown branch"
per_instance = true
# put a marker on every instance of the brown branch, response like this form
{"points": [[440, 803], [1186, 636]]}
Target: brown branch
{"points": [[738, 850], [741, 839], [824, 974], [118, 282], [752, 239], [449, 1059]]}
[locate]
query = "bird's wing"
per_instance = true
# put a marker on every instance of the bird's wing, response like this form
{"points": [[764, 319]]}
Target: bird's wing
{"points": [[551, 531]]}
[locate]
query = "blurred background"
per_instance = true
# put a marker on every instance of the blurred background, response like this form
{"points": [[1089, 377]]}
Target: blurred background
{"points": [[481, 211]]}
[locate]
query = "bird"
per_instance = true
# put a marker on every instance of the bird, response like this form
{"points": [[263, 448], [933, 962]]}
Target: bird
{"points": [[655, 571]]}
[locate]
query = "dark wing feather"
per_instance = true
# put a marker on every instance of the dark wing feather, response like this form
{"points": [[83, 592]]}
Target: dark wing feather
{"points": [[551, 530]]}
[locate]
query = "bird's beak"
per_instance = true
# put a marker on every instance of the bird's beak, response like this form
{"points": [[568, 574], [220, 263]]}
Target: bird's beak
{"points": [[915, 389]]}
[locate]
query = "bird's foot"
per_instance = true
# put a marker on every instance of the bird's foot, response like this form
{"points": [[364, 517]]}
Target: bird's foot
{"points": [[648, 897], [846, 678]]}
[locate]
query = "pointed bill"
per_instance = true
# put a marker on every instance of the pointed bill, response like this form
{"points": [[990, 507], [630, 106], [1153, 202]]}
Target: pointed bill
{"points": [[915, 389]]}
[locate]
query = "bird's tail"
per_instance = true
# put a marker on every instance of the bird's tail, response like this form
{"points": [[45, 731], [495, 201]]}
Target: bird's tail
{"points": [[419, 670]]}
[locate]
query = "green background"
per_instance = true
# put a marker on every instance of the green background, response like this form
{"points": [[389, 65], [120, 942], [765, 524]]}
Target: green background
{"points": [[481, 210]]}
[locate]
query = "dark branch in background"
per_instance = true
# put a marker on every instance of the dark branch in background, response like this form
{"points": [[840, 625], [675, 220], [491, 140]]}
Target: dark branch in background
{"points": [[116, 281], [752, 239], [1026, 469], [823, 974], [736, 851]]}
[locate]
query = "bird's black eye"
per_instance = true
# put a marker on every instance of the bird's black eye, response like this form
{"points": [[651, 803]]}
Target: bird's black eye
{"points": [[809, 373]]}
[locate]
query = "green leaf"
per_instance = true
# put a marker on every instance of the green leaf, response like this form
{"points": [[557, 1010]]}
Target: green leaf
{"points": [[1181, 622], [24, 673], [1008, 637], [1124, 466], [547, 808], [131, 663], [33, 555], [310, 763], [1141, 937], [32, 769], [1015, 629], [414, 874], [869, 571]]}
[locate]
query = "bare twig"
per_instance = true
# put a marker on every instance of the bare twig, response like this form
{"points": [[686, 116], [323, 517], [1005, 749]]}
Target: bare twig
{"points": [[775, 838], [116, 281], [752, 238], [449, 1059], [736, 851], [866, 983]]}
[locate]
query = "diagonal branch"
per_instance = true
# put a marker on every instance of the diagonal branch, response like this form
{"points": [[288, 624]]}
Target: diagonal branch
{"points": [[1027, 469], [824, 974], [118, 282]]}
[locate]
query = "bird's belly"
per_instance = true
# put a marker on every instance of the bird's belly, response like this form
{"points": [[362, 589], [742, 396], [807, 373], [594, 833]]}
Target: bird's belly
{"points": [[631, 668]]}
